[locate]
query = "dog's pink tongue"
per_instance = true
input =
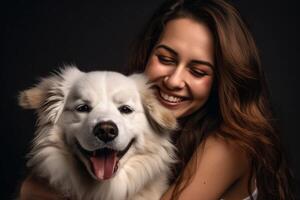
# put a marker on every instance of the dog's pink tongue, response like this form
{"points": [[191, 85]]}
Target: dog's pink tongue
{"points": [[104, 165]]}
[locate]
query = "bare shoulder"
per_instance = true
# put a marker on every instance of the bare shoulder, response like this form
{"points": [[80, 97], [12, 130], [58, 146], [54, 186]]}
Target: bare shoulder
{"points": [[216, 166], [219, 150], [218, 155]]}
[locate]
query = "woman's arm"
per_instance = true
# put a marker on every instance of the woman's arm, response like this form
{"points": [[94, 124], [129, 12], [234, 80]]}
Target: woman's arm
{"points": [[219, 165], [34, 188]]}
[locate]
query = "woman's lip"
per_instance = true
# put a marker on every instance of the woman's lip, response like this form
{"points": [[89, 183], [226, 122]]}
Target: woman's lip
{"points": [[170, 98], [167, 103]]}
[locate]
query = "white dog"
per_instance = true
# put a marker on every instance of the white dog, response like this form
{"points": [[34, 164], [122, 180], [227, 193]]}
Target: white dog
{"points": [[101, 135]]}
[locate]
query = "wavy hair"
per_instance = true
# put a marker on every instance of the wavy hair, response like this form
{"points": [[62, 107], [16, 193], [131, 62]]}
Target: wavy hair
{"points": [[238, 108]]}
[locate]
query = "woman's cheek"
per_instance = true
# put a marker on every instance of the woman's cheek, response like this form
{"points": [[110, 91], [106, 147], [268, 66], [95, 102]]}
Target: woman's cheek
{"points": [[202, 88], [153, 68]]}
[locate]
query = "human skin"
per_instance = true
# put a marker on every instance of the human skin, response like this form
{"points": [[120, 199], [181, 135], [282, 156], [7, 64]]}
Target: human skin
{"points": [[181, 69], [180, 66]]}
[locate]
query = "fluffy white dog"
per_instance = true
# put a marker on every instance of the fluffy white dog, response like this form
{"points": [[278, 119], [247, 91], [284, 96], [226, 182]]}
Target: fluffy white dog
{"points": [[101, 135]]}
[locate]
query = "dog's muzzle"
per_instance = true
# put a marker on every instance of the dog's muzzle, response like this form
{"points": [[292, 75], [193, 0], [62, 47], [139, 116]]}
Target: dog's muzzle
{"points": [[103, 162], [106, 131]]}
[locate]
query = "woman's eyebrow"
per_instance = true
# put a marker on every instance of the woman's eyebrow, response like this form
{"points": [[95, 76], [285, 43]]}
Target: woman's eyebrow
{"points": [[172, 51], [162, 46]]}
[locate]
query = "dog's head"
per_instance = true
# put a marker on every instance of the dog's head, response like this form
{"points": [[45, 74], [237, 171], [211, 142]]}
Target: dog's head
{"points": [[102, 115]]}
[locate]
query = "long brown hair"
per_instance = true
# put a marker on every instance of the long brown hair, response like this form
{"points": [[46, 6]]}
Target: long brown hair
{"points": [[238, 108]]}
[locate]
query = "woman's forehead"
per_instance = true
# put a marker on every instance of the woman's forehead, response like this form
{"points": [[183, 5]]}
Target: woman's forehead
{"points": [[188, 37]]}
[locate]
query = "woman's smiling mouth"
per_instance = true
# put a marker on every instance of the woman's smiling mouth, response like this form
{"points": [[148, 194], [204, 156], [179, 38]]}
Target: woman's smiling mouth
{"points": [[168, 100]]}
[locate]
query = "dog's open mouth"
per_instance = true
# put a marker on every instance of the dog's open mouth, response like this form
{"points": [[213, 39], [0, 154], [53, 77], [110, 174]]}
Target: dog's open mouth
{"points": [[104, 162]]}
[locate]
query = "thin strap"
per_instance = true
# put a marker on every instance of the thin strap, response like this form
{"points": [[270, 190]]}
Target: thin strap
{"points": [[254, 195]]}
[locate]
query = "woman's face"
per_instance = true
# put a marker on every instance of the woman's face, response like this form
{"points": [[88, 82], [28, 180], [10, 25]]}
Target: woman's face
{"points": [[181, 66]]}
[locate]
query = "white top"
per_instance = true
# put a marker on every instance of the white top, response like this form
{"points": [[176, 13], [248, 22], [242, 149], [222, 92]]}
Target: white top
{"points": [[254, 195]]}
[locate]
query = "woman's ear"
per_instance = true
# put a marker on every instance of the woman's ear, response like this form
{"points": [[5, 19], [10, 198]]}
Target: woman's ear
{"points": [[161, 119]]}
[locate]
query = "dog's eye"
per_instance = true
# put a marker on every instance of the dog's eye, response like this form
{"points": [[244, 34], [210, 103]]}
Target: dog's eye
{"points": [[83, 108], [125, 109]]}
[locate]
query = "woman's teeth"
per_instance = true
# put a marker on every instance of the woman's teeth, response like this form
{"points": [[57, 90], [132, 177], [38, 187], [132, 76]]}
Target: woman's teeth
{"points": [[169, 98]]}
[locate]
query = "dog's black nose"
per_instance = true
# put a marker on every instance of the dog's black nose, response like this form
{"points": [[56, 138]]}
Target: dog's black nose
{"points": [[106, 131]]}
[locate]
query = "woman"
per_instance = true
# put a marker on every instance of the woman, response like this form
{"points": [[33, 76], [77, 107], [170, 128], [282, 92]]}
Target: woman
{"points": [[205, 68]]}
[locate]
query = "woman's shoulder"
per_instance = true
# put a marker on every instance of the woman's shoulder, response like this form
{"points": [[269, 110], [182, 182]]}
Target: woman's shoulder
{"points": [[220, 143], [217, 165], [224, 166], [223, 151]]}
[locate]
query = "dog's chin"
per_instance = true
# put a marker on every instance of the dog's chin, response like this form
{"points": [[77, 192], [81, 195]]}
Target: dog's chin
{"points": [[103, 163]]}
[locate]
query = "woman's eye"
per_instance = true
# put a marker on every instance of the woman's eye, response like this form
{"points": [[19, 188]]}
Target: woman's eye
{"points": [[125, 109], [166, 60], [197, 73], [83, 108]]}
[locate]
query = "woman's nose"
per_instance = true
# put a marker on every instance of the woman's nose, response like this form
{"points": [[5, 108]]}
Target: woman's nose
{"points": [[175, 80]]}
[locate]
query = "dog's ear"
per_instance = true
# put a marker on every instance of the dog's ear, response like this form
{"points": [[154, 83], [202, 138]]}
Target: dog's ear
{"points": [[31, 98], [48, 96], [161, 119]]}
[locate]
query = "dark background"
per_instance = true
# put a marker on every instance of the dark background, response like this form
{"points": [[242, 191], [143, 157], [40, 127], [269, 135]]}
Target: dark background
{"points": [[38, 36]]}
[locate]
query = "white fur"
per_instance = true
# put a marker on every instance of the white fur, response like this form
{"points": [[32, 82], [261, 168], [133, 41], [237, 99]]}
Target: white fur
{"points": [[143, 170]]}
